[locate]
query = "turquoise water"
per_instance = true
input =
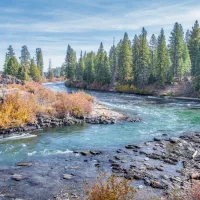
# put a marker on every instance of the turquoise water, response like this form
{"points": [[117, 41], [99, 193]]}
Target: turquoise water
{"points": [[173, 117]]}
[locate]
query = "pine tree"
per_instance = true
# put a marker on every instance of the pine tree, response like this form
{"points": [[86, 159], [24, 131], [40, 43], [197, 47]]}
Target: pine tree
{"points": [[113, 64], [89, 72], [12, 67], [153, 46], [143, 61], [162, 59], [193, 46], [99, 65], [63, 70], [34, 71], [5, 64], [177, 47], [197, 73], [80, 68], [70, 62], [23, 73], [39, 60], [187, 37], [135, 53], [50, 71], [25, 56], [125, 60], [106, 78], [10, 52]]}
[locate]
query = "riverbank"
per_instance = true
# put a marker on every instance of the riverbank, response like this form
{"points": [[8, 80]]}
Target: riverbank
{"points": [[157, 167], [29, 106], [183, 89], [100, 115]]}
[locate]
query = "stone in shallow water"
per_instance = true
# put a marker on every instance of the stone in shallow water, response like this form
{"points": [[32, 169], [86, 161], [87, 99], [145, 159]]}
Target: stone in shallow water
{"points": [[17, 177], [140, 187], [22, 164], [67, 176], [84, 153], [174, 140]]}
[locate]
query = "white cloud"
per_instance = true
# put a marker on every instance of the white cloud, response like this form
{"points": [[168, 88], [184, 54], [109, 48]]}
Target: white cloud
{"points": [[49, 35]]}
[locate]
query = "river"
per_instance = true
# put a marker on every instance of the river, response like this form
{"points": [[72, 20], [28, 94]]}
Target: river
{"points": [[160, 116]]}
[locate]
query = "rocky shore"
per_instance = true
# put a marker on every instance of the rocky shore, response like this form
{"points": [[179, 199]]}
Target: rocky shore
{"points": [[100, 115], [156, 168]]}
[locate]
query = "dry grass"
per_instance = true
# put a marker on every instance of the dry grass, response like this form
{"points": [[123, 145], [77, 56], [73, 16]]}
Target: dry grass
{"points": [[33, 99], [110, 188]]}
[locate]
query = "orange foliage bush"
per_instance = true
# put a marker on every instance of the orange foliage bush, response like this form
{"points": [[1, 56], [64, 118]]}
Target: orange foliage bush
{"points": [[77, 104], [110, 188], [17, 110], [44, 101]]}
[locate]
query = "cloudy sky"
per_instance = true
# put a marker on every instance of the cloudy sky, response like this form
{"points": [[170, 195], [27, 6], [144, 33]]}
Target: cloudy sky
{"points": [[53, 24]]}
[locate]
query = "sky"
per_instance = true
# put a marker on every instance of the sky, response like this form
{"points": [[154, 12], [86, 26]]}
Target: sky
{"points": [[53, 24]]}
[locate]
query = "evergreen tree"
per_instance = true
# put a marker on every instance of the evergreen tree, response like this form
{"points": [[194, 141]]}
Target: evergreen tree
{"points": [[107, 72], [177, 47], [135, 53], [186, 61], [89, 72], [5, 64], [153, 46], [70, 62], [10, 52], [23, 73], [25, 56], [113, 64], [187, 37], [125, 60], [193, 45], [197, 72], [63, 70], [12, 67], [99, 66], [80, 68], [39, 60], [34, 71], [162, 58], [143, 61], [57, 71], [50, 71]]}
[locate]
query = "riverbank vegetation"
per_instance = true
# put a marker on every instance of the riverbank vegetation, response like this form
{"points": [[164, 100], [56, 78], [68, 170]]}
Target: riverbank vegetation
{"points": [[133, 65], [129, 64], [23, 103]]}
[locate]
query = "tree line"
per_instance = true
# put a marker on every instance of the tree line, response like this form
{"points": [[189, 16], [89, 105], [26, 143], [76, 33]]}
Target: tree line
{"points": [[28, 68], [140, 62]]}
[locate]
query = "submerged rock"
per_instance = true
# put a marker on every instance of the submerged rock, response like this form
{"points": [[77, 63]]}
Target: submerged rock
{"points": [[22, 164], [67, 176], [17, 177], [84, 153]]}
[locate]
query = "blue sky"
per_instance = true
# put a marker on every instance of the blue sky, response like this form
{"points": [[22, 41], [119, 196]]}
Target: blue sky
{"points": [[53, 24]]}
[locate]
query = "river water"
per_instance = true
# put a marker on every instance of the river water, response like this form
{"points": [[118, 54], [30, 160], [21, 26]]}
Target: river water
{"points": [[160, 116]]}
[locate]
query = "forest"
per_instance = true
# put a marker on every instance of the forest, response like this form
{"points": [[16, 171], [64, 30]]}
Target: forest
{"points": [[135, 63]]}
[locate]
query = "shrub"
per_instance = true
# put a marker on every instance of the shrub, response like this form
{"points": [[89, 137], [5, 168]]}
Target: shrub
{"points": [[110, 188], [17, 110], [57, 104]]}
